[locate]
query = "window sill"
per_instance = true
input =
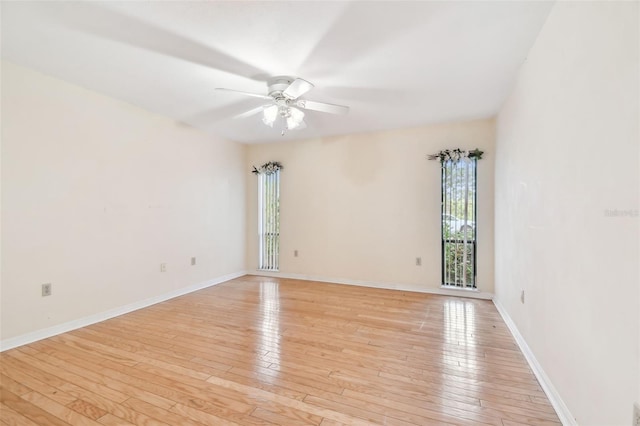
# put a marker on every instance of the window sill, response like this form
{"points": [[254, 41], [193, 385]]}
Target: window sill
{"points": [[453, 287]]}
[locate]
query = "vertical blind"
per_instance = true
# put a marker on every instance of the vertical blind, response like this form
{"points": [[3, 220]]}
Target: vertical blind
{"points": [[459, 222], [269, 220]]}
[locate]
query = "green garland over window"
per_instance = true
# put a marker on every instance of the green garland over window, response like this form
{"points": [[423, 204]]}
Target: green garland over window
{"points": [[267, 168], [456, 155]]}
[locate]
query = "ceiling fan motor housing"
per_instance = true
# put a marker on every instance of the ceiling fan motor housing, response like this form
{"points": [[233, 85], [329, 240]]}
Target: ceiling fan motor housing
{"points": [[278, 84]]}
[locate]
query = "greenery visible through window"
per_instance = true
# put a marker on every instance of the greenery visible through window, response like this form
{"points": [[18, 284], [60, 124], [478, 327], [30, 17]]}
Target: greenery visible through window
{"points": [[459, 222], [269, 215]]}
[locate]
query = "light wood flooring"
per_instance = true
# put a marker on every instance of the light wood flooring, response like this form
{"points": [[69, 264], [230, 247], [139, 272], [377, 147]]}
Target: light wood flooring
{"points": [[258, 350]]}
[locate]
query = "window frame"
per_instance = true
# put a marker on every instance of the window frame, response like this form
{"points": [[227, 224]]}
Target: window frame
{"points": [[444, 241], [269, 221]]}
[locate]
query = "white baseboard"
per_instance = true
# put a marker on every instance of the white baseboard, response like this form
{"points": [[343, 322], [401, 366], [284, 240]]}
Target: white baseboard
{"points": [[24, 339], [554, 397], [386, 285]]}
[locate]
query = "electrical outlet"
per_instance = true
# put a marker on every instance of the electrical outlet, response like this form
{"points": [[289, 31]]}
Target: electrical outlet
{"points": [[163, 267], [418, 261], [522, 296], [295, 253], [636, 414], [46, 289], [193, 261]]}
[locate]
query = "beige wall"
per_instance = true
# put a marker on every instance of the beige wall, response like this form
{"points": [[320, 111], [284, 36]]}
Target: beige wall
{"points": [[363, 207], [97, 193], [567, 152]]}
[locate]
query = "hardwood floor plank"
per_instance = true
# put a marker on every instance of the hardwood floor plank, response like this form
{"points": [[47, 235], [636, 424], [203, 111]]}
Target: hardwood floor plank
{"points": [[34, 412], [71, 377], [269, 380], [454, 382], [36, 380], [158, 413], [86, 409], [263, 351], [111, 420], [541, 410], [394, 390], [86, 360], [270, 384], [13, 386], [60, 411], [286, 416], [367, 412], [292, 403], [200, 416], [12, 418]]}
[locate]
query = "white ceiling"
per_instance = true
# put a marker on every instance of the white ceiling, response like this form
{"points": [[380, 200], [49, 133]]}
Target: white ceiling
{"points": [[396, 64]]}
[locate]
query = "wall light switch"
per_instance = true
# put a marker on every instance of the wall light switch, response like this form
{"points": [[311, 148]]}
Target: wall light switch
{"points": [[163, 267]]}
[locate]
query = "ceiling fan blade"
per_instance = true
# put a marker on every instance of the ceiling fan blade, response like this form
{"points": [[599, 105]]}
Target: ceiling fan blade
{"points": [[298, 88], [251, 112], [366, 36], [217, 114], [322, 107], [98, 19], [255, 95]]}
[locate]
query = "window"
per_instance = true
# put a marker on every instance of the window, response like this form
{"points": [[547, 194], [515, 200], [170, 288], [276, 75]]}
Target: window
{"points": [[269, 219], [459, 222]]}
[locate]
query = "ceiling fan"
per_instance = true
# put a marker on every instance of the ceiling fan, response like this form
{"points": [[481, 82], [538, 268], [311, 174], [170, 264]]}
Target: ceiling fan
{"points": [[285, 106]]}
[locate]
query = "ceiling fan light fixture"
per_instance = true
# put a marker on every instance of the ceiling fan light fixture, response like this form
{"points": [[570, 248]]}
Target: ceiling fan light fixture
{"points": [[294, 118], [287, 109], [270, 114]]}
